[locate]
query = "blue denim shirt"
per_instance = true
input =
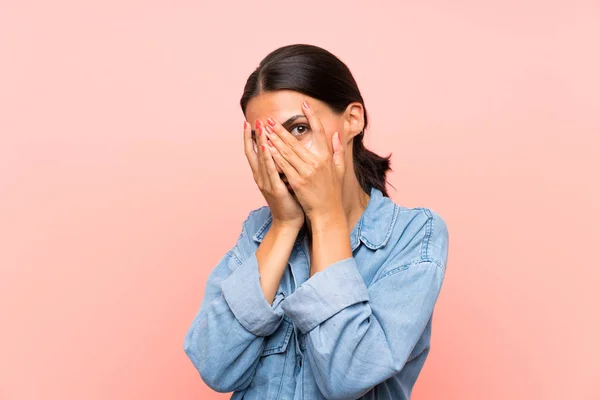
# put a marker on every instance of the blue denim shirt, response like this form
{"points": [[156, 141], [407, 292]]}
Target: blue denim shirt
{"points": [[359, 329]]}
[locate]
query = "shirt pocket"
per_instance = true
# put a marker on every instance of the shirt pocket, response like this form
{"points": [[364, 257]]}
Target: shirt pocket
{"points": [[278, 342]]}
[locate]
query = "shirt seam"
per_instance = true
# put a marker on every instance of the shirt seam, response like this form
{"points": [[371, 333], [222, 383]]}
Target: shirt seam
{"points": [[403, 267], [428, 233], [235, 258]]}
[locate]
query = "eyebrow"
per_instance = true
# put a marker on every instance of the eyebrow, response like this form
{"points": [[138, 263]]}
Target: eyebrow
{"points": [[287, 124]]}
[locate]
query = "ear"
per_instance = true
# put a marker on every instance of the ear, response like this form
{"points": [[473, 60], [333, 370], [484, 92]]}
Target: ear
{"points": [[354, 120]]}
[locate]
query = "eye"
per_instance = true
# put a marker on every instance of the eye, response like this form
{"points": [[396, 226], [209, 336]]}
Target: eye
{"points": [[299, 130]]}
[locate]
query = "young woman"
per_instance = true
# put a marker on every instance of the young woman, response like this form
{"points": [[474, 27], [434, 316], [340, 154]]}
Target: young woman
{"points": [[329, 291]]}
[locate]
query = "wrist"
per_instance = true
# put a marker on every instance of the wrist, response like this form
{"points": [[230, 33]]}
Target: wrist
{"points": [[286, 227], [330, 221]]}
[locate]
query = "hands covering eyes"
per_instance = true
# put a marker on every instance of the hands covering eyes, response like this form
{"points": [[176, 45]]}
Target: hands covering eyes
{"points": [[315, 175]]}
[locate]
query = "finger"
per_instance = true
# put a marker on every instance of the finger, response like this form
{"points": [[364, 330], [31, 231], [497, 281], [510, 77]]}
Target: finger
{"points": [[338, 154], [287, 152], [270, 167], [289, 171], [263, 178], [249, 148], [287, 138], [321, 138]]}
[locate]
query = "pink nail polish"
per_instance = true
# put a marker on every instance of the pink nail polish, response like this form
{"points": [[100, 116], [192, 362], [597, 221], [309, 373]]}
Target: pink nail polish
{"points": [[271, 121], [257, 124], [305, 104], [269, 130], [245, 125]]}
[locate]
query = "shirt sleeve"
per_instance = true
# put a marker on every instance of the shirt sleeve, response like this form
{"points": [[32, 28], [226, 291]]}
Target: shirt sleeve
{"points": [[358, 337], [243, 293], [226, 338]]}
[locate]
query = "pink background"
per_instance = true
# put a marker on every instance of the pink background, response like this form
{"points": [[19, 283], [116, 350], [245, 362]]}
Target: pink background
{"points": [[123, 181]]}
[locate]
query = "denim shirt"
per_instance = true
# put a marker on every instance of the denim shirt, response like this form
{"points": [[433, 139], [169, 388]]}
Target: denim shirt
{"points": [[360, 328]]}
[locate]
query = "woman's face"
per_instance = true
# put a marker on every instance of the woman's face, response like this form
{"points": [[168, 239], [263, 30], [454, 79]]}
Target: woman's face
{"points": [[285, 106]]}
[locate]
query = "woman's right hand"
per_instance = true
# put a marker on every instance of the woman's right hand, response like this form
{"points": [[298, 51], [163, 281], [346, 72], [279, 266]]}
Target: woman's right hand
{"points": [[285, 209]]}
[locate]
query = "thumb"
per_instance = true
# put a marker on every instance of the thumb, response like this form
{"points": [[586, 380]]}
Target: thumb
{"points": [[338, 154]]}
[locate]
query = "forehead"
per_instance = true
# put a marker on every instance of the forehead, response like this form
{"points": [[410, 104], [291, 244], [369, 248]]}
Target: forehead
{"points": [[280, 105]]}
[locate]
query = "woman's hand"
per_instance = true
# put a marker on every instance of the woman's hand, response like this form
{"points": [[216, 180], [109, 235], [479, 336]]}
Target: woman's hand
{"points": [[286, 211], [315, 175]]}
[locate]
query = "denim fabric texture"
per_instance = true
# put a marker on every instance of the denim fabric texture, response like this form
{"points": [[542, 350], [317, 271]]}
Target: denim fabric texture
{"points": [[360, 329]]}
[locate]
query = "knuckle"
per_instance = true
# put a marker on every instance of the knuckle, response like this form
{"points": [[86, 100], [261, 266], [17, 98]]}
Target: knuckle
{"points": [[286, 153]]}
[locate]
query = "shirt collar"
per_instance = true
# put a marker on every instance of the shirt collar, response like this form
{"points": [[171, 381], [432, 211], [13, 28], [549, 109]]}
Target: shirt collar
{"points": [[373, 228]]}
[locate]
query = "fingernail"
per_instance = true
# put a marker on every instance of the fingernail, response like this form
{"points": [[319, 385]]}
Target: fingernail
{"points": [[259, 130], [270, 143], [271, 121], [269, 130], [257, 124], [305, 105], [262, 146], [245, 125]]}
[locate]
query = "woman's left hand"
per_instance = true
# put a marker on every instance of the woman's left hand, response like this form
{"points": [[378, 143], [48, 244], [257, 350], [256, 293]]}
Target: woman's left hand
{"points": [[315, 175]]}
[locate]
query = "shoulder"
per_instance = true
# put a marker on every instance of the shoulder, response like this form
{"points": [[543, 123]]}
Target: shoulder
{"points": [[257, 221], [249, 236], [420, 234]]}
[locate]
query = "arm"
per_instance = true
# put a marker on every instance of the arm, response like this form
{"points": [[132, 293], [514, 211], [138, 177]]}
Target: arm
{"points": [[329, 240], [226, 338], [358, 337], [272, 256]]}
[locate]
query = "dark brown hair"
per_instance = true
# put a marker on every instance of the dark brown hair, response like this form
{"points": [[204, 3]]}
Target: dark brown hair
{"points": [[319, 74]]}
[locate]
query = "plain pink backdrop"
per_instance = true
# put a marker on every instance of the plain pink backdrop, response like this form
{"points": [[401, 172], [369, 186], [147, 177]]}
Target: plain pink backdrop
{"points": [[123, 181]]}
